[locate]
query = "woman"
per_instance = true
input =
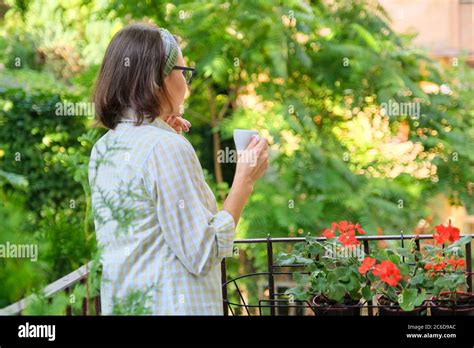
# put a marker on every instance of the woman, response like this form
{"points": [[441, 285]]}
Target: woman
{"points": [[156, 219]]}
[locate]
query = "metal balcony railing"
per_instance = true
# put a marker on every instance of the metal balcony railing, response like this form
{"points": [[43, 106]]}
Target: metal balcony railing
{"points": [[272, 303]]}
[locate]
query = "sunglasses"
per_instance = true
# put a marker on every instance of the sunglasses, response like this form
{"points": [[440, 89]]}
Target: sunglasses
{"points": [[188, 72]]}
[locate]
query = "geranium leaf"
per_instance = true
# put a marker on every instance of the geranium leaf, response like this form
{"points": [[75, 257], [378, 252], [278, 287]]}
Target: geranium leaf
{"points": [[367, 293]]}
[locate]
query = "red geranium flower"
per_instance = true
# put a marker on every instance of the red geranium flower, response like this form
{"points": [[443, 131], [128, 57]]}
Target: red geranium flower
{"points": [[348, 239], [343, 226], [347, 232], [446, 233], [366, 265], [388, 272], [429, 266], [359, 229], [453, 262], [439, 266], [328, 233]]}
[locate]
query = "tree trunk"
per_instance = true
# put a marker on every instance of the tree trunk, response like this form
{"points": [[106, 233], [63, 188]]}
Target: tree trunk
{"points": [[216, 139]]}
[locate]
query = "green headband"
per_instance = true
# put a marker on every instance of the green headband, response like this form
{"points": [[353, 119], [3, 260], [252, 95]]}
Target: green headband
{"points": [[172, 50]]}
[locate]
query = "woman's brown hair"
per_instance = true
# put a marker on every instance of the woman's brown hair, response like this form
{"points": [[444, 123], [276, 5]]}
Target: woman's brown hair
{"points": [[131, 75]]}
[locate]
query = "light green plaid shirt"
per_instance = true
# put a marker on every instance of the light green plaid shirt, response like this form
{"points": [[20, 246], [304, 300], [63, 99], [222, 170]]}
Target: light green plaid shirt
{"points": [[157, 223]]}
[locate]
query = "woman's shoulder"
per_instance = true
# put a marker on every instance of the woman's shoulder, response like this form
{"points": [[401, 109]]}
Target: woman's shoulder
{"points": [[174, 146], [172, 155]]}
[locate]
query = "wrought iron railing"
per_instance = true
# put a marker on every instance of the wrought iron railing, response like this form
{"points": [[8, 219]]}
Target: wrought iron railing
{"points": [[273, 302]]}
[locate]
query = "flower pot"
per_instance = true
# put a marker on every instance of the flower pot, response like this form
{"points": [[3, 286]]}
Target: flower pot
{"points": [[325, 307], [464, 304], [388, 308]]}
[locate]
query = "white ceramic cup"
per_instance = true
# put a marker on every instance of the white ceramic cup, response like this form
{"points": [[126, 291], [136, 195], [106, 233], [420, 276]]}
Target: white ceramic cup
{"points": [[242, 138]]}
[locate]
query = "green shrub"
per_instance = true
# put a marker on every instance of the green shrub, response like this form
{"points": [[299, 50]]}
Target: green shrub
{"points": [[31, 135]]}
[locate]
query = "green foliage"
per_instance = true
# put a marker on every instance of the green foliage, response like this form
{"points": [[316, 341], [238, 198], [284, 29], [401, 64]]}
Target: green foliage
{"points": [[43, 177], [65, 248], [31, 135], [41, 305], [332, 270], [61, 37], [409, 291], [411, 298], [17, 276], [442, 275], [136, 303]]}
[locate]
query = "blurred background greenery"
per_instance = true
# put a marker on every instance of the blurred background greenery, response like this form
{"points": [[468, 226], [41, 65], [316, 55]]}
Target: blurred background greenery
{"points": [[310, 76]]}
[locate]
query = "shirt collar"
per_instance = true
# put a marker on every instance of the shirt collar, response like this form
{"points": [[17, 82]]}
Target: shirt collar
{"points": [[130, 116]]}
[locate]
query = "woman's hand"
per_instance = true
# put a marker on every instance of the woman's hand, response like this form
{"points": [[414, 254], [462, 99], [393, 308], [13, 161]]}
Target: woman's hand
{"points": [[178, 123], [252, 164], [253, 161]]}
